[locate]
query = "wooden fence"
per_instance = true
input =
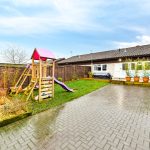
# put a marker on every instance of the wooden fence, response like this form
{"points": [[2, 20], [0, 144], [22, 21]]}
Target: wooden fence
{"points": [[9, 74], [71, 72]]}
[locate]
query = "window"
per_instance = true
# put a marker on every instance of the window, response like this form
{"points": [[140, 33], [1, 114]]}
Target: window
{"points": [[147, 65], [104, 67], [100, 67], [125, 66], [132, 66], [97, 67], [139, 66]]}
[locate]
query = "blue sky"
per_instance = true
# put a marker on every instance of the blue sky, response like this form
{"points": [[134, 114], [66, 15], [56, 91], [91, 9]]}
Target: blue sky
{"points": [[72, 27]]}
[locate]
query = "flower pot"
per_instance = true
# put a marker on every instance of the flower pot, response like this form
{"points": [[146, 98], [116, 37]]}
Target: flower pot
{"points": [[128, 79], [145, 79], [136, 79]]}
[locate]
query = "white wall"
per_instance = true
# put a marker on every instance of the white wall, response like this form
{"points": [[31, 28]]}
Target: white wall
{"points": [[115, 69], [118, 71], [110, 69]]}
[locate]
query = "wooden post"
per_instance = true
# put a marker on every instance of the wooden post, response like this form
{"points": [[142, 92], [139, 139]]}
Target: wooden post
{"points": [[53, 75], [40, 77], [45, 70], [64, 73], [37, 70], [33, 68]]}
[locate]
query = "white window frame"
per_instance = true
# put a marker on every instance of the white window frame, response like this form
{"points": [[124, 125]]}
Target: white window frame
{"points": [[100, 65]]}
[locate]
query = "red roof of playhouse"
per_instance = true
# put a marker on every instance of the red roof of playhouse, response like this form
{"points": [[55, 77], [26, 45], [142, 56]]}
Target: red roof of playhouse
{"points": [[43, 54]]}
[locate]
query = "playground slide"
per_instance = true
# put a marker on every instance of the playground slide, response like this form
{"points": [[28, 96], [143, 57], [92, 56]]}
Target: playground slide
{"points": [[64, 86]]}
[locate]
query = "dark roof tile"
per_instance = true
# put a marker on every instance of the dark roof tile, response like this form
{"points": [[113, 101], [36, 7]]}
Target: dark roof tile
{"points": [[136, 51]]}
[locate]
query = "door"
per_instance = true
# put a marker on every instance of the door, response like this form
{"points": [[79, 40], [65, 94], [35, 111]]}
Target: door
{"points": [[118, 72]]}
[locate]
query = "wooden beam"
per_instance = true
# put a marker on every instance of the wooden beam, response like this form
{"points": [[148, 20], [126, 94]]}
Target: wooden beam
{"points": [[33, 68], [46, 86], [53, 75], [40, 76], [44, 66]]}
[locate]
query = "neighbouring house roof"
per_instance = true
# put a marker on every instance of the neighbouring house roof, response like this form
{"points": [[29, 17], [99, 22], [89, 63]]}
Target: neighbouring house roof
{"points": [[43, 54], [59, 59], [136, 51]]}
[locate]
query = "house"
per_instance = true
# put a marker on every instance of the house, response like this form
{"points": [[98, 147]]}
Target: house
{"points": [[112, 61]]}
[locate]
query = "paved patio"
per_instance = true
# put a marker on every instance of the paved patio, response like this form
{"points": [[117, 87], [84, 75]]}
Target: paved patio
{"points": [[115, 117]]}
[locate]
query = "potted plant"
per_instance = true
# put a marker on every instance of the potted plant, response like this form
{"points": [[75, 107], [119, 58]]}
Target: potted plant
{"points": [[146, 74], [146, 77], [128, 74], [136, 77]]}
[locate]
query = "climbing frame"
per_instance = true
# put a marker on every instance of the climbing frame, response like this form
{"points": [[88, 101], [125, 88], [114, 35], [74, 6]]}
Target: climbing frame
{"points": [[44, 80], [40, 79]]}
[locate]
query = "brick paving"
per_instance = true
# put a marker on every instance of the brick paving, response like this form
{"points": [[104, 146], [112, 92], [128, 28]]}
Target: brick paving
{"points": [[115, 117]]}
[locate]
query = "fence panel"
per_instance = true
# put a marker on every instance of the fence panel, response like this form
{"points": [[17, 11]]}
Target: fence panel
{"points": [[10, 74]]}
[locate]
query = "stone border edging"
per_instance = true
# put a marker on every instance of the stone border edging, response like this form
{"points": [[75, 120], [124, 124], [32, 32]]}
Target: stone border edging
{"points": [[14, 119]]}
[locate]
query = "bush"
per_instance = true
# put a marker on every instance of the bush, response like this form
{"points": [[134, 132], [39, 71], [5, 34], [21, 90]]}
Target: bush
{"points": [[75, 77], [90, 74], [60, 78]]}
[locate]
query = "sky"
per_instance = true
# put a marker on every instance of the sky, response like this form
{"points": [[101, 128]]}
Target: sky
{"points": [[73, 27]]}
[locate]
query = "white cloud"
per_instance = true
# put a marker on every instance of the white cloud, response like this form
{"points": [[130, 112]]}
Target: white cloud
{"points": [[140, 40], [31, 2], [22, 25], [144, 7], [135, 28], [58, 15]]}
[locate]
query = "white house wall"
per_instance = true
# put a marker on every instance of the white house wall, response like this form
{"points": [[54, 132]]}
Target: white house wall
{"points": [[115, 69], [110, 69], [118, 71]]}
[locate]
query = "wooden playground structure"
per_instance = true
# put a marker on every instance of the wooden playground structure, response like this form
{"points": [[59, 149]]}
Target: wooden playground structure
{"points": [[40, 78]]}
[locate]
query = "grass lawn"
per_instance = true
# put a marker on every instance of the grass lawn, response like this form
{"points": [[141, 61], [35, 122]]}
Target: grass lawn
{"points": [[81, 87]]}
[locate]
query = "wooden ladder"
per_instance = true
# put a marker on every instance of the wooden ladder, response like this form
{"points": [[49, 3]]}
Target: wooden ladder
{"points": [[30, 88], [46, 88], [21, 81]]}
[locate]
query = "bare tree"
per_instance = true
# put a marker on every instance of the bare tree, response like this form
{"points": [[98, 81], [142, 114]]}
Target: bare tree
{"points": [[15, 55]]}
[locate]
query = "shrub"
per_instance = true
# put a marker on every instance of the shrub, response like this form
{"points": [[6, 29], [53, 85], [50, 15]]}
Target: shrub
{"points": [[90, 74], [75, 77], [60, 78]]}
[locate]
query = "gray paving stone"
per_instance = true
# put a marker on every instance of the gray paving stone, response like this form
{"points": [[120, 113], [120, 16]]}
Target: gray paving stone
{"points": [[106, 147], [115, 117]]}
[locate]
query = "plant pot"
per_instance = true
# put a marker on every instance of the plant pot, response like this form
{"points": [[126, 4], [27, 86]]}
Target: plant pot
{"points": [[128, 79], [136, 79], [145, 79]]}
